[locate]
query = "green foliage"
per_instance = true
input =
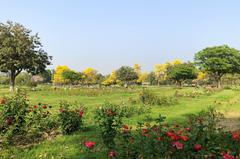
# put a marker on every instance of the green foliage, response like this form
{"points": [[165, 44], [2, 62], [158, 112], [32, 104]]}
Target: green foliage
{"points": [[40, 120], [219, 60], [181, 72], [202, 138], [13, 116], [4, 80], [149, 98], [126, 74], [47, 75], [70, 119], [24, 79], [109, 119], [133, 109], [72, 76], [23, 124], [19, 50], [152, 79]]}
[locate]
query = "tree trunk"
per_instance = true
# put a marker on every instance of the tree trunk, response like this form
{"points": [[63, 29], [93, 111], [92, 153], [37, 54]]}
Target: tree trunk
{"points": [[179, 84], [219, 83], [12, 82]]}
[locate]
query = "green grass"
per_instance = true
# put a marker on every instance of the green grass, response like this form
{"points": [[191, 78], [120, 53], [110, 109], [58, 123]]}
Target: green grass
{"points": [[69, 147]]}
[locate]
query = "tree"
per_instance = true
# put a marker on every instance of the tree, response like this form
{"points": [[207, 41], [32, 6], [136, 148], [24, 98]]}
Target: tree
{"points": [[218, 61], [110, 79], [72, 76], [126, 74], [137, 68], [152, 78], [142, 77], [160, 72], [20, 50], [181, 72], [90, 76], [47, 75], [58, 77]]}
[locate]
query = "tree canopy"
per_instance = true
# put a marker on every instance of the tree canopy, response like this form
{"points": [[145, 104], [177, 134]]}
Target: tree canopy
{"points": [[181, 72], [20, 50], [218, 61], [126, 74]]}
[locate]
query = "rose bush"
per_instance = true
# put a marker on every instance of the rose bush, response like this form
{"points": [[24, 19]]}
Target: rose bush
{"points": [[200, 137], [109, 119], [71, 120], [21, 123]]}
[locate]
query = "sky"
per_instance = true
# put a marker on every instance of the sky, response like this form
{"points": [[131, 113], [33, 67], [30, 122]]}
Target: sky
{"points": [[107, 34]]}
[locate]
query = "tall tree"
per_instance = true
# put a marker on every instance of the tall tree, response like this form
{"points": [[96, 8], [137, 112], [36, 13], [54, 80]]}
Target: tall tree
{"points": [[181, 72], [58, 78], [90, 76], [72, 76], [126, 74], [20, 50], [218, 61]]}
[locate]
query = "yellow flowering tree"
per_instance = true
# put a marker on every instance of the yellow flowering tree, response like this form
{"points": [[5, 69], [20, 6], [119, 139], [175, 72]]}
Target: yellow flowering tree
{"points": [[160, 72], [176, 62], [142, 77], [137, 68], [111, 79], [201, 76], [57, 77], [90, 76]]}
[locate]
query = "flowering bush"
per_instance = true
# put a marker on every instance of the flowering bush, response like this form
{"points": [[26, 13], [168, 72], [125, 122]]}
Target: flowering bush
{"points": [[109, 119], [39, 120], [71, 120], [12, 118], [21, 123], [201, 137]]}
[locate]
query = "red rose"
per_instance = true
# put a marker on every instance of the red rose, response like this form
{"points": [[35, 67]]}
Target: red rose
{"points": [[35, 106], [169, 133], [227, 156], [197, 147], [178, 145], [81, 113], [179, 132], [125, 127], [110, 112], [187, 129], [112, 154], [172, 135], [44, 106], [145, 132], [184, 138], [235, 136], [89, 144]]}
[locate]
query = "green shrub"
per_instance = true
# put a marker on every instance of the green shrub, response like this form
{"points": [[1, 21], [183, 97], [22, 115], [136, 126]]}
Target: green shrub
{"points": [[23, 124], [71, 120], [149, 98], [133, 109], [201, 137], [39, 120], [13, 116], [109, 119]]}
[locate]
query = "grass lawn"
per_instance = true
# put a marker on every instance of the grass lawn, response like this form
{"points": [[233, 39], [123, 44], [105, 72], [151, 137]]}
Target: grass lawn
{"points": [[68, 147]]}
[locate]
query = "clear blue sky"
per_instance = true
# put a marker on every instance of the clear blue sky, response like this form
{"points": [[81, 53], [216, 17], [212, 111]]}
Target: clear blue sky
{"points": [[106, 34]]}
